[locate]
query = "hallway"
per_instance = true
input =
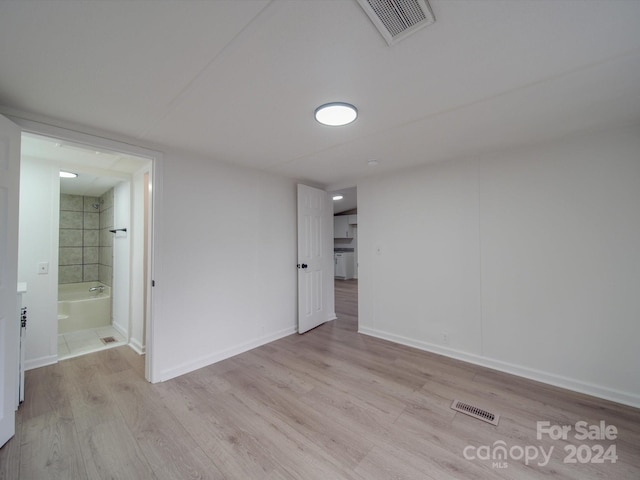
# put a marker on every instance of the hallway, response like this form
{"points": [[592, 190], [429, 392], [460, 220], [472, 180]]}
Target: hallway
{"points": [[346, 293]]}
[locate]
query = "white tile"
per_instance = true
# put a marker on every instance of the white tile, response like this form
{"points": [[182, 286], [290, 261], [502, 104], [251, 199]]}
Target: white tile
{"points": [[80, 335], [62, 350], [82, 342], [84, 345], [119, 337], [106, 331]]}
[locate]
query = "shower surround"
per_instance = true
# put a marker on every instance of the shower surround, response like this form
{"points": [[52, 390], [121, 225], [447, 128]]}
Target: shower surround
{"points": [[86, 245]]}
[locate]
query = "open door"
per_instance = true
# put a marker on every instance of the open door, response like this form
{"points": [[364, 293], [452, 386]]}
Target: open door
{"points": [[316, 303], [9, 325]]}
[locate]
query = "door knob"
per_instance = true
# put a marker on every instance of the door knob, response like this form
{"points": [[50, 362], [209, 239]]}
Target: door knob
{"points": [[304, 265]]}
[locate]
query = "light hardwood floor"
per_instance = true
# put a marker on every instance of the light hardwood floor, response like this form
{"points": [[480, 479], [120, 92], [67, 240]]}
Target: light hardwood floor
{"points": [[329, 404]]}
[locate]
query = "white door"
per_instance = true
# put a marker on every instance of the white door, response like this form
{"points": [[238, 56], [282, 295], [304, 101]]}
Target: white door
{"points": [[9, 326], [315, 258]]}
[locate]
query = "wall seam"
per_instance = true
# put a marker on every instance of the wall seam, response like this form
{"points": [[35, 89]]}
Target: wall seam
{"points": [[480, 257]]}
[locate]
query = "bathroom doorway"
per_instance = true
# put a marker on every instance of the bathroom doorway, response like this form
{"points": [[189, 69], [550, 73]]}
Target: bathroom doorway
{"points": [[87, 236]]}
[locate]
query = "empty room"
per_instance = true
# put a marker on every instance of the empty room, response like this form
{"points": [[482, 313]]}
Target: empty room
{"points": [[188, 306]]}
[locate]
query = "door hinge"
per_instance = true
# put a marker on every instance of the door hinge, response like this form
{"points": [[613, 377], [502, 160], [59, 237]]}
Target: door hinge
{"points": [[153, 283]]}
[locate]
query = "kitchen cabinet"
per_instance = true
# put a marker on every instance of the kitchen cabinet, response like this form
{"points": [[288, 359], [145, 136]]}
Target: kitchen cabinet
{"points": [[344, 265], [341, 227], [353, 219]]}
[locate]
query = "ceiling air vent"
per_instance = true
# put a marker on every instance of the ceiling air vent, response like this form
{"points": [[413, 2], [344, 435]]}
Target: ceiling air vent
{"points": [[397, 19]]}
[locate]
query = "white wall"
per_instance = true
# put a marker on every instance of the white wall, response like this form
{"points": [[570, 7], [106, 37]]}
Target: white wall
{"points": [[227, 262], [137, 312], [39, 214], [528, 261], [121, 257]]}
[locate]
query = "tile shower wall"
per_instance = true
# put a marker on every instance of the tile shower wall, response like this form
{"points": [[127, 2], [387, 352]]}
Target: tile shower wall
{"points": [[86, 246], [105, 257]]}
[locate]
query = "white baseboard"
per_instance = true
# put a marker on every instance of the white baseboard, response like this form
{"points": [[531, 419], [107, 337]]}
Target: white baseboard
{"points": [[121, 330], [40, 362], [224, 354], [137, 346], [625, 398]]}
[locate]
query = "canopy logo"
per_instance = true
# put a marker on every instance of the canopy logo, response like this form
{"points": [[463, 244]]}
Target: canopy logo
{"points": [[498, 453]]}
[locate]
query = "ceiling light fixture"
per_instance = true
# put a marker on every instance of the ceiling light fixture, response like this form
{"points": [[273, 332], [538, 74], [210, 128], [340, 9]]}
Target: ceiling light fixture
{"points": [[338, 197], [336, 114], [64, 174]]}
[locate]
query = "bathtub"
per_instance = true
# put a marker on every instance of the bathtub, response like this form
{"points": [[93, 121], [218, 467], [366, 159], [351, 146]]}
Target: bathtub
{"points": [[79, 309]]}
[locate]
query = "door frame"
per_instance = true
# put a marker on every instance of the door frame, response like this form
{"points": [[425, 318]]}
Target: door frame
{"points": [[155, 227]]}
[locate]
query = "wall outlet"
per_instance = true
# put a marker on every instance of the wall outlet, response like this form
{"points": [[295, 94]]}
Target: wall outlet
{"points": [[43, 268], [445, 338]]}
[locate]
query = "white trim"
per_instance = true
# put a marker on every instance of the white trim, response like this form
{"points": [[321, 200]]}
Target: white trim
{"points": [[136, 346], [154, 277], [224, 354], [75, 136], [40, 362], [120, 329], [626, 398]]}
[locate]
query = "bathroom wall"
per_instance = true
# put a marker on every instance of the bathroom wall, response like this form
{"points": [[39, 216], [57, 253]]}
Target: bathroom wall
{"points": [[86, 245], [79, 239], [105, 264], [38, 243], [120, 292]]}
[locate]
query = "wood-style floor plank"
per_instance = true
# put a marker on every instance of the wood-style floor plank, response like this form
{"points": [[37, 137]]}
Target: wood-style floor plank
{"points": [[329, 404]]}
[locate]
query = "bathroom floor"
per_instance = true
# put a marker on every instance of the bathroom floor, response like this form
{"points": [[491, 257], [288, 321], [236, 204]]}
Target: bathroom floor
{"points": [[74, 344]]}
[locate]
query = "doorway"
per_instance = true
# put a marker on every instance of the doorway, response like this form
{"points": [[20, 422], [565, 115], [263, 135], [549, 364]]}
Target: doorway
{"points": [[345, 247], [87, 237]]}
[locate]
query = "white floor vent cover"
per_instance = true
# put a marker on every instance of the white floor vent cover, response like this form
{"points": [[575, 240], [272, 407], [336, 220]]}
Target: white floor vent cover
{"points": [[397, 19], [475, 412]]}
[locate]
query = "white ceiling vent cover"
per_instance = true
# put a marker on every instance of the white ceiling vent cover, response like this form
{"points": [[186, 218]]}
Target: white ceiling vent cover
{"points": [[397, 19]]}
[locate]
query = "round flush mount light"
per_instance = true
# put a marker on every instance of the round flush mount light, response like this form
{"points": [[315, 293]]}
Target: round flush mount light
{"points": [[64, 174], [336, 114], [338, 197]]}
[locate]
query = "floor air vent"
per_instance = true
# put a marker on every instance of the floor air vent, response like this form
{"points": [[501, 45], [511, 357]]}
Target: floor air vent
{"points": [[475, 412], [106, 340], [397, 19]]}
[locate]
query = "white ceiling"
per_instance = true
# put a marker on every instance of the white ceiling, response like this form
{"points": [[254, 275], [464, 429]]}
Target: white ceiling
{"points": [[349, 199], [238, 81], [97, 170]]}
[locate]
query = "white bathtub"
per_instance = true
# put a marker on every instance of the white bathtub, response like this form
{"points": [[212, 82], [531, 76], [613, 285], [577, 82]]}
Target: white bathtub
{"points": [[79, 309]]}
